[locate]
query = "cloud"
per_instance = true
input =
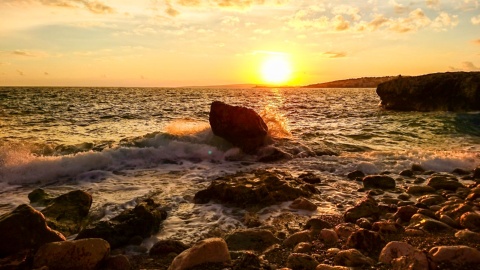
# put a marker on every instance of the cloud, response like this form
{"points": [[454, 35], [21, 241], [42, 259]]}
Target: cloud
{"points": [[399, 8], [170, 10], [331, 54], [433, 4], [24, 53], [340, 23], [476, 20], [94, 6], [444, 21], [477, 41], [466, 66], [416, 20]]}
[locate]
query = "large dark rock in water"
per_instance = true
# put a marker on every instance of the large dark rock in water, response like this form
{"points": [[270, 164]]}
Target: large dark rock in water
{"points": [[255, 189], [25, 228], [240, 126], [67, 212], [141, 221], [452, 91]]}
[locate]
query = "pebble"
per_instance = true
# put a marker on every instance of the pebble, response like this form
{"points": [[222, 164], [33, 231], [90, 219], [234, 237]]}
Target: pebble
{"points": [[329, 236], [301, 261], [302, 247], [298, 237], [471, 221], [468, 235], [212, 250]]}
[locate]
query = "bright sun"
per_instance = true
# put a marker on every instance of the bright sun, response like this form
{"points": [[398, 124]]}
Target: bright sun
{"points": [[276, 69]]}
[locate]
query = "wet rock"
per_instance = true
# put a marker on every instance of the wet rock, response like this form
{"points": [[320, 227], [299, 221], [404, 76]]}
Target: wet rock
{"points": [[25, 228], [67, 212], [407, 173], [455, 254], [454, 211], [355, 174], [40, 197], [417, 168], [303, 204], [294, 239], [448, 220], [141, 221], [329, 267], [164, 247], [352, 258], [395, 250], [365, 240], [431, 199], [301, 261], [378, 181], [241, 126], [450, 91], [428, 224], [471, 221], [443, 182], [255, 189], [405, 213], [317, 224], [251, 239], [417, 190], [344, 230], [79, 254], [117, 262], [212, 250], [302, 247], [310, 178], [366, 207], [468, 235]]}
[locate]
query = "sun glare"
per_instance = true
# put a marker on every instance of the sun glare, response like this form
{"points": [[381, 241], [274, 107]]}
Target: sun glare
{"points": [[276, 69]]}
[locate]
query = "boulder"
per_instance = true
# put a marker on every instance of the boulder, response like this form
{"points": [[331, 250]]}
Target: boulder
{"points": [[366, 207], [141, 221], [240, 126], [25, 228], [455, 254], [442, 182], [451, 91], [427, 224], [395, 250], [212, 250], [67, 212], [259, 188], [79, 254], [378, 181], [40, 197], [251, 239]]}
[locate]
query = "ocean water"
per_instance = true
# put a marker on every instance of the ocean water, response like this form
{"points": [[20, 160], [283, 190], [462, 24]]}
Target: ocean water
{"points": [[122, 144]]}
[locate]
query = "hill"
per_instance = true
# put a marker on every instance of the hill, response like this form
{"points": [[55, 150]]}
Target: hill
{"points": [[364, 82]]}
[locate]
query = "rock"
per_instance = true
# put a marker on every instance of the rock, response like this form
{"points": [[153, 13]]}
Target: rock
{"points": [[212, 250], [79, 254], [251, 239], [117, 262], [258, 188], [365, 240], [355, 174], [301, 261], [329, 236], [40, 197], [302, 247], [395, 250], [471, 221], [352, 258], [451, 91], [272, 154], [468, 235], [431, 199], [303, 204], [240, 126], [344, 230], [20, 260], [67, 212], [417, 190], [164, 247], [387, 227], [442, 182], [317, 224], [141, 221], [417, 168], [378, 181], [329, 267], [428, 224], [364, 223], [25, 228], [455, 254], [294, 239], [310, 178], [454, 211], [247, 261], [407, 173], [366, 207], [476, 173], [418, 260], [405, 213]]}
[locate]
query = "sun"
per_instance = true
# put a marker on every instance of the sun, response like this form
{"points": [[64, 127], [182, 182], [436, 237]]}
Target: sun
{"points": [[276, 69]]}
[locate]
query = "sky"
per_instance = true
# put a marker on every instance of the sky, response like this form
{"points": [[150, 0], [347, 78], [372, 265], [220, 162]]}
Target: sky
{"points": [[169, 43]]}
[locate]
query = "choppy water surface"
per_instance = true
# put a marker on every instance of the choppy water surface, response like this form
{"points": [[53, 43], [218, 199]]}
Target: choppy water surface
{"points": [[121, 144]]}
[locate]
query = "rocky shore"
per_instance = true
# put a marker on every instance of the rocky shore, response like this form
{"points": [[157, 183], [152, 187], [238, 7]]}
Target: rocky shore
{"points": [[413, 219]]}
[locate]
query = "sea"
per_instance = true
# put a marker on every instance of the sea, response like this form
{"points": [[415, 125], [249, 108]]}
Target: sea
{"points": [[125, 144]]}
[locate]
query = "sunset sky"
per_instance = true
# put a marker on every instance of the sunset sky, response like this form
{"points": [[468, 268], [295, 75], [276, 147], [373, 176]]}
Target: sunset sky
{"points": [[211, 42]]}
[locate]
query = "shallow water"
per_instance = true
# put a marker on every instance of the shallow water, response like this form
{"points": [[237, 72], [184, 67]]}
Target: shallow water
{"points": [[121, 144]]}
